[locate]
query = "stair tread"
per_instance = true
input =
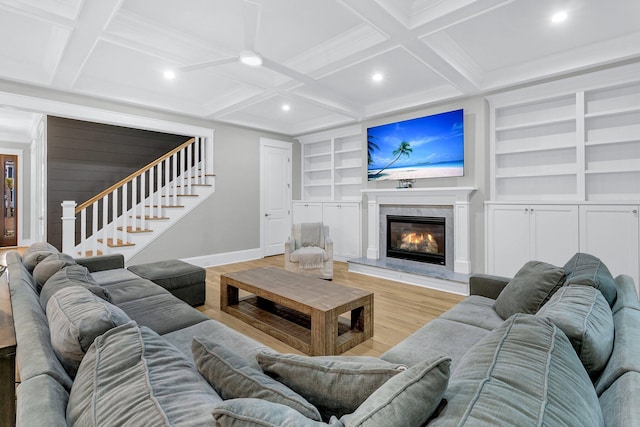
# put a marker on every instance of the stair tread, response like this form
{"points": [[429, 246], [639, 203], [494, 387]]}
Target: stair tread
{"points": [[165, 206], [90, 253], [136, 230], [152, 217], [118, 243]]}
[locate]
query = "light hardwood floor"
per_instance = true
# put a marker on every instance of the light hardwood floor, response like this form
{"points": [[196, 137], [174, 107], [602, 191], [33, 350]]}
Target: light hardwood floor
{"points": [[399, 309]]}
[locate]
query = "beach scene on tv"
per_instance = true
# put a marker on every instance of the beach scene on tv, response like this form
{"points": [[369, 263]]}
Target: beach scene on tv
{"points": [[425, 147]]}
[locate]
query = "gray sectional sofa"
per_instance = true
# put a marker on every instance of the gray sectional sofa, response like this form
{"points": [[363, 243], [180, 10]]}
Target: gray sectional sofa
{"points": [[99, 345]]}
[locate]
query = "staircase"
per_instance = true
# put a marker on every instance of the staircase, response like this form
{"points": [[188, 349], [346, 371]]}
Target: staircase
{"points": [[130, 214]]}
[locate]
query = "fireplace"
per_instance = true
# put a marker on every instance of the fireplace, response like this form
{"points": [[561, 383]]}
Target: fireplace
{"points": [[416, 238]]}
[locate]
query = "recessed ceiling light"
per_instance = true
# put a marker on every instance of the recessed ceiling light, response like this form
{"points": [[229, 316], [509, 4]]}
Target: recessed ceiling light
{"points": [[377, 77], [169, 74], [286, 107], [560, 16], [251, 59]]}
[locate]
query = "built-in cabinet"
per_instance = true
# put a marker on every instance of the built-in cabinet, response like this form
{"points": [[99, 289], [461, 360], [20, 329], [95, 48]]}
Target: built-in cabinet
{"points": [[332, 164], [343, 219], [566, 155], [522, 232]]}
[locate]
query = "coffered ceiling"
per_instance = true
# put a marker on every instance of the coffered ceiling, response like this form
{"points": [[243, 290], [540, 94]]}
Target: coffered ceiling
{"points": [[318, 56]]}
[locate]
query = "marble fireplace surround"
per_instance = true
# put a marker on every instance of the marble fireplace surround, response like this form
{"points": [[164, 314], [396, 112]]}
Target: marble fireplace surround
{"points": [[385, 201]]}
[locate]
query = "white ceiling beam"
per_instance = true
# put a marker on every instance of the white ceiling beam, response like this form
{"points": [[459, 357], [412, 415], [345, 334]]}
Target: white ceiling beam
{"points": [[92, 21]]}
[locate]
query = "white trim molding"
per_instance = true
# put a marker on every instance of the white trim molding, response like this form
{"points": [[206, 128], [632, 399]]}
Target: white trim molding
{"points": [[457, 197]]}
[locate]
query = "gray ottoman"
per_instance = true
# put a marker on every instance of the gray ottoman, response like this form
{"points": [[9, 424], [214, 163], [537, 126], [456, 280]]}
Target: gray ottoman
{"points": [[185, 281]]}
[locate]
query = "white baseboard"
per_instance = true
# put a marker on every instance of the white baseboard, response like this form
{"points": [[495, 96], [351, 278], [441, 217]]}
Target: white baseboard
{"points": [[225, 258]]}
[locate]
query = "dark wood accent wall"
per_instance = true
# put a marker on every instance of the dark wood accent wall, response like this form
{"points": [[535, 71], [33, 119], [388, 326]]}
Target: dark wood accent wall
{"points": [[85, 158]]}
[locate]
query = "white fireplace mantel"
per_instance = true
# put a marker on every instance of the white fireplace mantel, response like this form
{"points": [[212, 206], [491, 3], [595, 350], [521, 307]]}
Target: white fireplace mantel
{"points": [[457, 197]]}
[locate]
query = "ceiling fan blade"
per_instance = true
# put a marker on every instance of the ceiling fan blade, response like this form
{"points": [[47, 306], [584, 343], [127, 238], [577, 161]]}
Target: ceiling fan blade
{"points": [[211, 63], [251, 15]]}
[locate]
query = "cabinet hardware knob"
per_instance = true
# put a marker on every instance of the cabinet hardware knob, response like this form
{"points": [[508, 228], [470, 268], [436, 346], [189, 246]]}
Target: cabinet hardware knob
{"points": [[531, 209], [635, 211], [526, 209]]}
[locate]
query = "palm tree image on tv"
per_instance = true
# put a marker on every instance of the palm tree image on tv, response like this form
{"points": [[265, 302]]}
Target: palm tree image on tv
{"points": [[404, 149], [425, 147]]}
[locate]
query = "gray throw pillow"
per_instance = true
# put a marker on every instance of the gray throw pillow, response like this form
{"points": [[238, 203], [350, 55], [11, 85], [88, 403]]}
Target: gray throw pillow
{"points": [[585, 317], [408, 399], [232, 377], [251, 412], [76, 317], [36, 253], [73, 275], [132, 376], [335, 385], [49, 266], [523, 373], [586, 269], [530, 289]]}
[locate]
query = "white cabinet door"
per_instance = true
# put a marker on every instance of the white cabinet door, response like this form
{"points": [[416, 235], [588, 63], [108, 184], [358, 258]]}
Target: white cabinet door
{"points": [[611, 232], [307, 212], [507, 239], [554, 233], [343, 220]]}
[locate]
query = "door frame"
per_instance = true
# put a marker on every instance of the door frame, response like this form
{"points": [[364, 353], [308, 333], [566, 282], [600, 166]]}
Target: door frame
{"points": [[286, 145], [19, 193]]}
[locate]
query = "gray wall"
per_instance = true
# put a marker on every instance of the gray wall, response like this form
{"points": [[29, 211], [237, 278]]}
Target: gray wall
{"points": [[229, 220], [24, 187], [476, 166]]}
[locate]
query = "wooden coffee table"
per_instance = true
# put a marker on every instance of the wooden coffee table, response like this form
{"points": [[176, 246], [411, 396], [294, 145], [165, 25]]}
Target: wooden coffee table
{"points": [[301, 311]]}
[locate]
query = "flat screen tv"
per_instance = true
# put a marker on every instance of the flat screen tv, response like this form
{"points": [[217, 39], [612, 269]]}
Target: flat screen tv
{"points": [[425, 147]]}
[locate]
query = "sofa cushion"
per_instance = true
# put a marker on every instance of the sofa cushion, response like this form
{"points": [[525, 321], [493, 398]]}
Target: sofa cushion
{"points": [[619, 403], [73, 275], [525, 372], [36, 253], [417, 346], [133, 289], [626, 348], [49, 266], [586, 269], [530, 289], [475, 310], [335, 385], [251, 412], [132, 376], [407, 399], [76, 317], [585, 317], [163, 313], [232, 377]]}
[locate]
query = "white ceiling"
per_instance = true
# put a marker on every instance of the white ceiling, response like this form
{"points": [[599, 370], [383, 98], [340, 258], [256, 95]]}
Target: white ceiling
{"points": [[318, 55]]}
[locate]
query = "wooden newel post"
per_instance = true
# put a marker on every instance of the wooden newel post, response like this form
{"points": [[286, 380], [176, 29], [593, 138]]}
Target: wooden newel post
{"points": [[68, 226]]}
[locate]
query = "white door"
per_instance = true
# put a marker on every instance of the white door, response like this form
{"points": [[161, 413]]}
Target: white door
{"points": [[611, 234], [507, 238], [554, 233], [275, 195]]}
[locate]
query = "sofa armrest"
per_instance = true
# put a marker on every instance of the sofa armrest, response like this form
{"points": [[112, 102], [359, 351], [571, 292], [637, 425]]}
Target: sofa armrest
{"points": [[102, 262], [7, 356], [487, 285]]}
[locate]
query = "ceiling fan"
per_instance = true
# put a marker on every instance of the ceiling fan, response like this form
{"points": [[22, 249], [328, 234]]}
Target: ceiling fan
{"points": [[248, 56]]}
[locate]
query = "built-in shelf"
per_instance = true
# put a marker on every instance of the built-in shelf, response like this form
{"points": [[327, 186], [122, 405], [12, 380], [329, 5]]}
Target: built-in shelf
{"points": [[333, 160], [546, 142]]}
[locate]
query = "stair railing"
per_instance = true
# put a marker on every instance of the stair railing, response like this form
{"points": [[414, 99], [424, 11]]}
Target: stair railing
{"points": [[129, 205]]}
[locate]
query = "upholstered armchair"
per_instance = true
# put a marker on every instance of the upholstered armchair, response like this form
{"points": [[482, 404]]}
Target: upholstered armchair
{"points": [[309, 250]]}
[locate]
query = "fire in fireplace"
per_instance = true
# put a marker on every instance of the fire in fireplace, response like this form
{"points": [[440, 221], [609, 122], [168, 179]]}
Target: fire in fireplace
{"points": [[416, 238]]}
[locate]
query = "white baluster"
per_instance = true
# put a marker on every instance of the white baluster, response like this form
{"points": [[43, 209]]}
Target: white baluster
{"points": [[83, 232], [114, 217], [125, 213], [134, 201], [94, 226], [143, 200], [105, 221], [167, 194], [189, 167], [174, 160]]}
